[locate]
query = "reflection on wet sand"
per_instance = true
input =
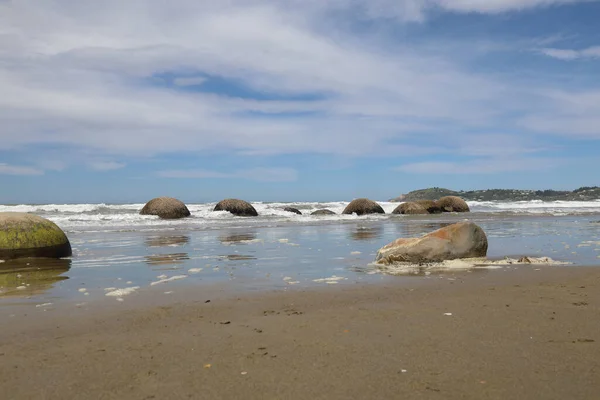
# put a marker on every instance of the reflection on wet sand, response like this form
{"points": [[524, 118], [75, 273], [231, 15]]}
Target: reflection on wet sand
{"points": [[31, 276], [167, 259], [366, 232], [237, 238], [237, 257], [167, 241]]}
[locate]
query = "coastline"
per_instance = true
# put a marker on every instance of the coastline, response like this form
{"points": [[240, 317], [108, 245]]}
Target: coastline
{"points": [[528, 333]]}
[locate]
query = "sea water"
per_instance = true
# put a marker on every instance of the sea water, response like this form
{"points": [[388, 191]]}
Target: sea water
{"points": [[117, 252]]}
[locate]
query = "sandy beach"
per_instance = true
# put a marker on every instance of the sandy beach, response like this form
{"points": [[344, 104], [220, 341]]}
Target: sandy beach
{"points": [[526, 334]]}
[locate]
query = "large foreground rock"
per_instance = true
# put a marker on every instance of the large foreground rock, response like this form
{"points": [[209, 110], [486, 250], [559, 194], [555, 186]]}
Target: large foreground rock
{"points": [[27, 235], [452, 204], [237, 207], [362, 207], [462, 240], [166, 207], [410, 208]]}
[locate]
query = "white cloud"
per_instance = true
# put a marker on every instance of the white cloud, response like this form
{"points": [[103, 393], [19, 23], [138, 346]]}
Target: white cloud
{"points": [[105, 165], [81, 81], [80, 74], [7, 169], [256, 174], [570, 54]]}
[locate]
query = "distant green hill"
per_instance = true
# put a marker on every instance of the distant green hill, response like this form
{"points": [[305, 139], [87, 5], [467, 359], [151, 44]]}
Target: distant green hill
{"points": [[581, 194]]}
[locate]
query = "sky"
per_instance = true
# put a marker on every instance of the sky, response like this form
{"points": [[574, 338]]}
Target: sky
{"points": [[295, 100]]}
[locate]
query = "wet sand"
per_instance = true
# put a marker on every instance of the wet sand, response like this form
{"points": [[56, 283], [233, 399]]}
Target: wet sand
{"points": [[527, 334]]}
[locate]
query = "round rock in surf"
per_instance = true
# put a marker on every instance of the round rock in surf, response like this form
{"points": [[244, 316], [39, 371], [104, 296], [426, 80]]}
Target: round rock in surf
{"points": [[292, 210], [27, 235], [166, 208], [362, 207], [462, 240], [410, 208], [237, 207], [431, 206], [452, 204], [322, 212]]}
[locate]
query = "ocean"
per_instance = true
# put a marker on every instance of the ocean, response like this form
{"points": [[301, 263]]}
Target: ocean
{"points": [[117, 252]]}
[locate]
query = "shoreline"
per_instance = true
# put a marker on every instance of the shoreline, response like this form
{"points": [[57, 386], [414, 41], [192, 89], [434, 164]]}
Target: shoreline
{"points": [[528, 333]]}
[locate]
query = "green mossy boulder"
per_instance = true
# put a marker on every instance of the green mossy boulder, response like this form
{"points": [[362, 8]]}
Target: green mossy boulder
{"points": [[27, 235]]}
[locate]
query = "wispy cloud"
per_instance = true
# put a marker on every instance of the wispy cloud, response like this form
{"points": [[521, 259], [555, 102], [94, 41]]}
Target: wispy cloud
{"points": [[7, 169], [255, 174], [189, 81], [105, 165], [571, 114], [480, 166], [499, 6], [570, 54]]}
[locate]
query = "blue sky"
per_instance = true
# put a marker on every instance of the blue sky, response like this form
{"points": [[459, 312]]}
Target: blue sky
{"points": [[295, 99]]}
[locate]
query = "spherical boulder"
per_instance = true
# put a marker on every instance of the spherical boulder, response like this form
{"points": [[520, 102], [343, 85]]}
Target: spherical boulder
{"points": [[431, 206], [166, 208], [27, 235], [410, 208], [462, 240], [452, 204], [362, 207], [292, 210], [237, 207], [322, 212]]}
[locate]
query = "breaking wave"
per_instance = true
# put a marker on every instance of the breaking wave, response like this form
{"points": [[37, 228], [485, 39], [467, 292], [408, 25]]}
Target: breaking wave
{"points": [[90, 217]]}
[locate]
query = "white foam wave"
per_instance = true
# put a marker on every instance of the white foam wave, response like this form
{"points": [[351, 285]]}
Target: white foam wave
{"points": [[100, 217], [537, 206]]}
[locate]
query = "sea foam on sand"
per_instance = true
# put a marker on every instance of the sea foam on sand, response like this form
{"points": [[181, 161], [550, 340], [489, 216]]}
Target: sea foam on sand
{"points": [[122, 292], [165, 280], [463, 264]]}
